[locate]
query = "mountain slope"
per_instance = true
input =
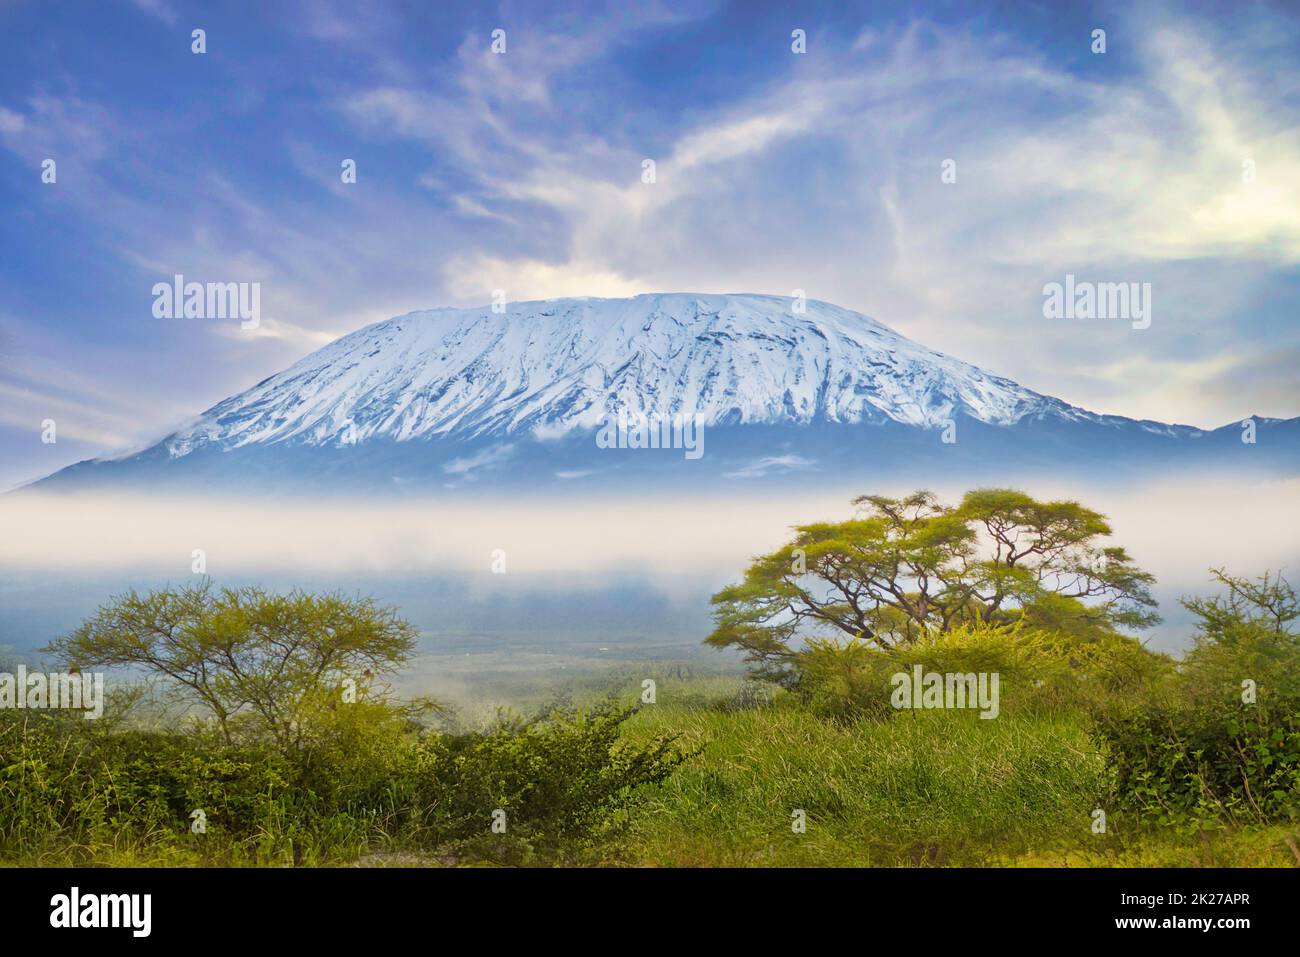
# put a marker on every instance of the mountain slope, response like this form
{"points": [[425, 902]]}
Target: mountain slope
{"points": [[555, 366], [444, 394]]}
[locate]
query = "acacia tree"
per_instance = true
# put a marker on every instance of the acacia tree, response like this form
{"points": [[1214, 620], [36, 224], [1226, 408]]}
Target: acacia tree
{"points": [[254, 660], [905, 567]]}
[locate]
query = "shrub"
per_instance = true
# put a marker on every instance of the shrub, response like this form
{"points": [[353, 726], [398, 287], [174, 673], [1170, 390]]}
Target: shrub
{"points": [[68, 790], [1221, 740], [562, 779], [365, 776], [1244, 635], [1196, 762], [1038, 670]]}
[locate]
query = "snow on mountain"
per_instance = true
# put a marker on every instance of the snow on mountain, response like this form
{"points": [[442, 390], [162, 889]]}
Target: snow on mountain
{"points": [[545, 369], [471, 399]]}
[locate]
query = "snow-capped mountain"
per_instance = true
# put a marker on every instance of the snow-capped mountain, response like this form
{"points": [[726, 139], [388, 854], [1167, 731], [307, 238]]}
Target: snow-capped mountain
{"points": [[549, 368], [447, 394]]}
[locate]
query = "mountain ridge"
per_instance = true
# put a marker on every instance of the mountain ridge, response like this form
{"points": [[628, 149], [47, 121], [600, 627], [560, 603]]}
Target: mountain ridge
{"points": [[428, 391], [552, 366]]}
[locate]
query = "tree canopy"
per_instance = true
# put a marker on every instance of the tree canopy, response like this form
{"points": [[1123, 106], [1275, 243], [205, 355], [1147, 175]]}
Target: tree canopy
{"points": [[250, 657], [905, 567]]}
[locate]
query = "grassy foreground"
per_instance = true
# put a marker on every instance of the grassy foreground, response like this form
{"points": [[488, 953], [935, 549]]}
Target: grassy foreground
{"points": [[287, 749], [923, 789]]}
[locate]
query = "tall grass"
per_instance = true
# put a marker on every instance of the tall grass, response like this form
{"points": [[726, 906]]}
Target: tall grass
{"points": [[919, 788], [926, 788]]}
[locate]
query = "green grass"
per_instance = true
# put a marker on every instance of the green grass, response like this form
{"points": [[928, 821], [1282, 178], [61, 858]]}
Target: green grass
{"points": [[924, 788], [936, 788], [927, 788]]}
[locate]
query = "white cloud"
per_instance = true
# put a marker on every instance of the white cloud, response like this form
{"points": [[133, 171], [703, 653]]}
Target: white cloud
{"points": [[157, 8], [488, 458], [473, 279], [277, 329], [829, 181], [772, 463]]}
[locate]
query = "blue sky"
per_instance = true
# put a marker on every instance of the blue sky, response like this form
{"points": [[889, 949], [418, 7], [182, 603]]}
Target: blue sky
{"points": [[521, 171]]}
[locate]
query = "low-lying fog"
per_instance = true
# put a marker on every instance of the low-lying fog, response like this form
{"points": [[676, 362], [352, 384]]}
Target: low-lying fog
{"points": [[604, 571]]}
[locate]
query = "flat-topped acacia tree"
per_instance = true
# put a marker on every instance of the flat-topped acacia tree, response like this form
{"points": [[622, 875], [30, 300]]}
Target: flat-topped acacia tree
{"points": [[255, 660], [906, 567]]}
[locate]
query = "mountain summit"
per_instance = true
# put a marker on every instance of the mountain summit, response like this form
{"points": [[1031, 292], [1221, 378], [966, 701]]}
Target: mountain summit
{"points": [[447, 394], [551, 367]]}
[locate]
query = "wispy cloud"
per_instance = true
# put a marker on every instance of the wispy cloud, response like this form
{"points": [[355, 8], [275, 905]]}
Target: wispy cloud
{"points": [[159, 9], [771, 463], [1187, 155], [773, 172], [489, 458]]}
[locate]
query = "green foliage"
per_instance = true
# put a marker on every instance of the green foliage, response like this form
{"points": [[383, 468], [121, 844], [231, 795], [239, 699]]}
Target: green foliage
{"points": [[928, 788], [305, 758], [912, 567], [845, 680], [1088, 718], [1038, 671], [1188, 764], [255, 661], [1220, 742], [562, 779], [1246, 634], [931, 788], [71, 793]]}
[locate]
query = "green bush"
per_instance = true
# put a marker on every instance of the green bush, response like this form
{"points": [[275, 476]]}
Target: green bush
{"points": [[1039, 671], [362, 777], [66, 791], [1244, 636], [1220, 740], [563, 781], [1197, 762]]}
